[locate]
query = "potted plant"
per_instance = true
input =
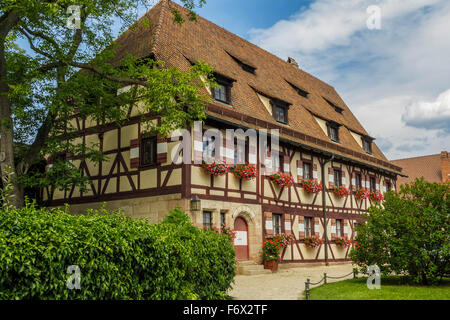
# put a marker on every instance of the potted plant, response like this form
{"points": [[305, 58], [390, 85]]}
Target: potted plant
{"points": [[361, 194], [313, 241], [311, 185], [215, 168], [339, 192], [376, 196], [245, 171], [342, 242], [283, 179], [271, 250]]}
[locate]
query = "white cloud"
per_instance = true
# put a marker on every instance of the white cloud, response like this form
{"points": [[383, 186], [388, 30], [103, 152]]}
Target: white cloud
{"points": [[429, 115], [381, 74]]}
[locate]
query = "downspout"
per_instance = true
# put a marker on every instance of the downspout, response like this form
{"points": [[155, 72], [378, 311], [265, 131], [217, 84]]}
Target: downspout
{"points": [[324, 206]]}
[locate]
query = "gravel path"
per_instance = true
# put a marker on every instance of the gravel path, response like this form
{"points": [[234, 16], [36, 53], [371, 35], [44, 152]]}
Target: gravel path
{"points": [[286, 284]]}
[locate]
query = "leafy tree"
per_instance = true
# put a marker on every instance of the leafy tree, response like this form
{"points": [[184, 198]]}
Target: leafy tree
{"points": [[408, 233], [48, 72]]}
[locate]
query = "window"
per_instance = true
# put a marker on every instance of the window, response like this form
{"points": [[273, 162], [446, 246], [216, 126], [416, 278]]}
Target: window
{"points": [[246, 67], [367, 145], [280, 113], [307, 172], [372, 184], [148, 147], [338, 227], [207, 219], [241, 156], [358, 184], [334, 106], [337, 177], [223, 92], [308, 227], [276, 221], [208, 147], [222, 219], [301, 92], [333, 131], [388, 185]]}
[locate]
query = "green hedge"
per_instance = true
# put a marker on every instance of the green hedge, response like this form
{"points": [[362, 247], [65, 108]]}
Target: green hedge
{"points": [[119, 257]]}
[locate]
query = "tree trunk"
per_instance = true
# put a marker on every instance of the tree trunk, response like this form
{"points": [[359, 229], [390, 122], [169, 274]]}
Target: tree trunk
{"points": [[6, 125]]}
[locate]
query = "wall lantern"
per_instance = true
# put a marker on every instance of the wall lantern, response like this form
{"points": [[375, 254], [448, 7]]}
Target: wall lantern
{"points": [[196, 204]]}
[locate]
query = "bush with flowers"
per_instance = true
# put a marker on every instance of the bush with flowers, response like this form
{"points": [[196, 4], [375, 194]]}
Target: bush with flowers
{"points": [[283, 179], [245, 171], [342, 241], [311, 185], [230, 233], [215, 168], [271, 248], [339, 192], [313, 241], [376, 196], [361, 194]]}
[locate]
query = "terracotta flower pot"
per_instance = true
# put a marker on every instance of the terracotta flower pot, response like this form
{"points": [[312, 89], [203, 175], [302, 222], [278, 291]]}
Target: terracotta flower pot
{"points": [[272, 265]]}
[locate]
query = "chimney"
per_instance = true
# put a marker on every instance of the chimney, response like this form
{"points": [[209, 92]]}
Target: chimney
{"points": [[292, 61], [445, 167]]}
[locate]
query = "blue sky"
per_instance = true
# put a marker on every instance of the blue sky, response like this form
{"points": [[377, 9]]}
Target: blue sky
{"points": [[396, 80]]}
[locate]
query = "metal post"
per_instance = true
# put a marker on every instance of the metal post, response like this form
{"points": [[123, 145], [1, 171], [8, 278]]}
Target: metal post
{"points": [[324, 277], [307, 289], [355, 272]]}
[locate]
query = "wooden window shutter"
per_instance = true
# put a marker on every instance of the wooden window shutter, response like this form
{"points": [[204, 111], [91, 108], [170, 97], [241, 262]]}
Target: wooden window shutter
{"points": [[299, 170], [333, 229], [134, 153], [353, 182], [301, 227], [330, 177], [287, 223], [161, 149], [286, 164], [268, 224]]}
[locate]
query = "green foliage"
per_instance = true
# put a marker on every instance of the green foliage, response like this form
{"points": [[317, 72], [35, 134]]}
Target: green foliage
{"points": [[119, 257], [409, 233]]}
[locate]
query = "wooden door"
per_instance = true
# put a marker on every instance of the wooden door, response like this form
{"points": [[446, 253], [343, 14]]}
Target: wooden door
{"points": [[241, 240]]}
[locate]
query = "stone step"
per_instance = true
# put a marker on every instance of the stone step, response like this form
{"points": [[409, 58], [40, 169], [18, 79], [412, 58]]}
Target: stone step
{"points": [[252, 268]]}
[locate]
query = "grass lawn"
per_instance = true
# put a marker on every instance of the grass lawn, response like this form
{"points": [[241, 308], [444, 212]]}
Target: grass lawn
{"points": [[392, 288]]}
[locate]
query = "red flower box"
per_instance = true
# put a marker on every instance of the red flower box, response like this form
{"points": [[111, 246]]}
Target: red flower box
{"points": [[376, 196], [340, 192], [311, 185], [215, 168], [245, 171], [362, 194], [283, 179]]}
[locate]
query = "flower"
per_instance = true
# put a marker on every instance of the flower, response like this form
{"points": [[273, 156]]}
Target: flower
{"points": [[283, 179], [214, 168], [361, 193], [313, 241], [376, 196], [271, 248], [245, 171], [342, 241], [311, 185], [340, 192]]}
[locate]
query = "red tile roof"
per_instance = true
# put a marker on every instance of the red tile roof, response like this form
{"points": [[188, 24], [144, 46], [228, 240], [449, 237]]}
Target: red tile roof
{"points": [[203, 40], [428, 167]]}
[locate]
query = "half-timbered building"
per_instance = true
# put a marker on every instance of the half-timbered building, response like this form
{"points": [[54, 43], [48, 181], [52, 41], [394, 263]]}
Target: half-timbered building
{"points": [[319, 139]]}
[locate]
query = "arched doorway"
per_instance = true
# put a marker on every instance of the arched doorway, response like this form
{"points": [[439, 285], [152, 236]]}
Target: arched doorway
{"points": [[241, 240]]}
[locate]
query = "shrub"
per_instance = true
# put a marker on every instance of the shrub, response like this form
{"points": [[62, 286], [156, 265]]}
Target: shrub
{"points": [[409, 233], [119, 257]]}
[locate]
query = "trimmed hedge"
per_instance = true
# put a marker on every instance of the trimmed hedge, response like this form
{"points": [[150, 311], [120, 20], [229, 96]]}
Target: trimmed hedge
{"points": [[119, 257]]}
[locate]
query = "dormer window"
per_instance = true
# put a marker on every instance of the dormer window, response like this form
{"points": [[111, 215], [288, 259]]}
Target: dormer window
{"points": [[334, 106], [280, 110], [246, 66], [367, 145], [223, 92], [333, 131], [301, 92]]}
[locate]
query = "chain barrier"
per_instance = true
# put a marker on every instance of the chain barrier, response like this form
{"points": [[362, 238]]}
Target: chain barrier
{"points": [[308, 282]]}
